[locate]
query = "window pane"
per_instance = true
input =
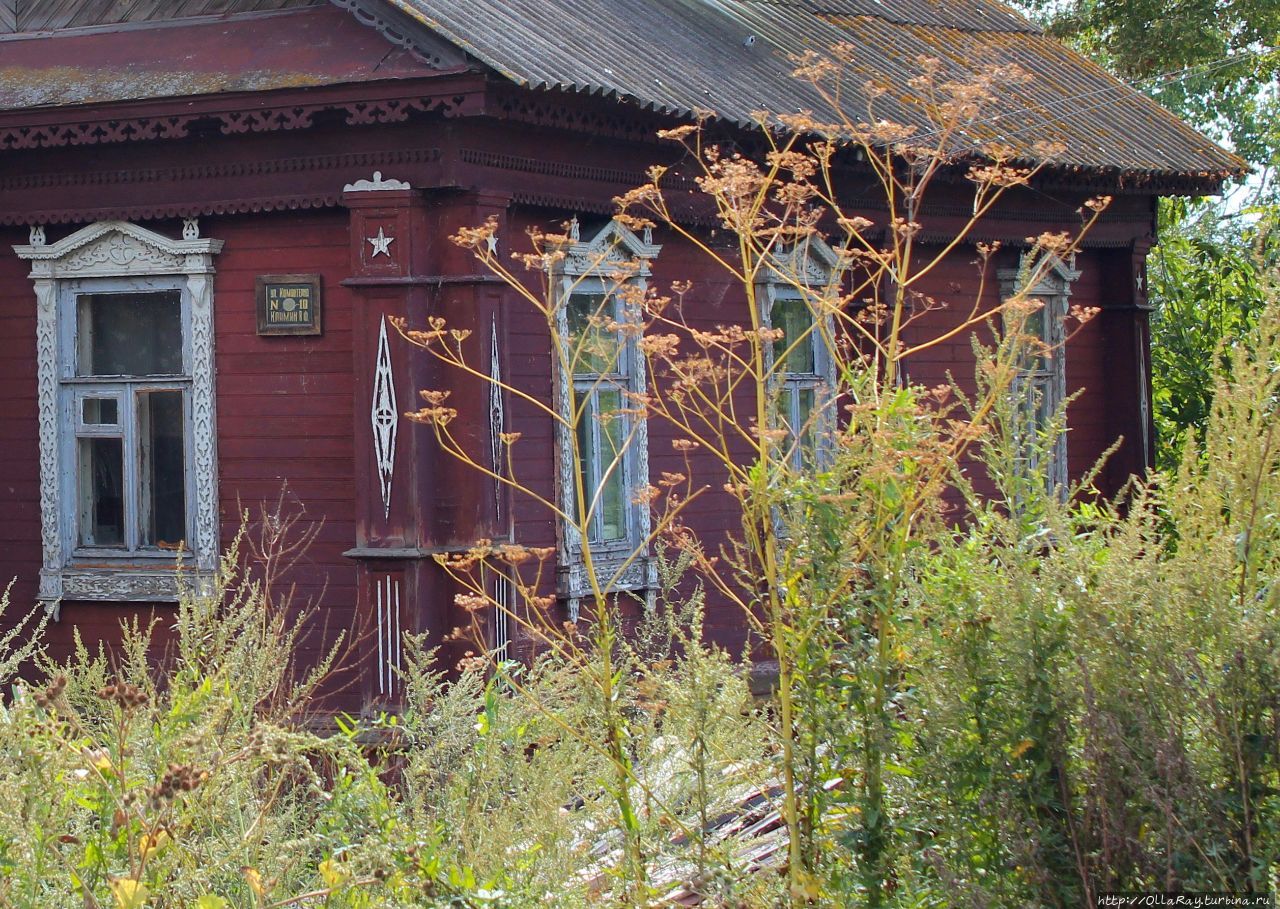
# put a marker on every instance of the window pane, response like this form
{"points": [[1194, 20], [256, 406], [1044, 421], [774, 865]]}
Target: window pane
{"points": [[593, 349], [161, 475], [804, 418], [100, 412], [587, 460], [129, 334], [101, 476], [613, 513], [601, 421], [792, 315]]}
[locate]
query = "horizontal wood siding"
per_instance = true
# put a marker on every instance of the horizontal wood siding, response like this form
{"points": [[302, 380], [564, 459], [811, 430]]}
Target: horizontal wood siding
{"points": [[20, 553], [285, 409]]}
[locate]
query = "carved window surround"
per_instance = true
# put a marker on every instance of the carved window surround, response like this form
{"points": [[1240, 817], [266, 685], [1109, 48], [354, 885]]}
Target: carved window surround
{"points": [[1042, 382], [591, 266], [120, 251], [810, 274]]}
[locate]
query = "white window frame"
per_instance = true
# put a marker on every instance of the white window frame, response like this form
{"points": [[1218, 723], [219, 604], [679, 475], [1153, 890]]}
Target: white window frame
{"points": [[115, 257], [591, 267], [803, 272], [1044, 383]]}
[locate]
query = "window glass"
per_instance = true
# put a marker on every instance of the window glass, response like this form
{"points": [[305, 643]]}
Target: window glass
{"points": [[803, 428], [792, 316], [601, 437], [162, 491], [101, 492], [613, 522], [593, 348], [100, 412], [134, 334]]}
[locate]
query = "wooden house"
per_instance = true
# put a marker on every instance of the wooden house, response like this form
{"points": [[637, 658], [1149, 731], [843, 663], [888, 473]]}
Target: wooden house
{"points": [[210, 209]]}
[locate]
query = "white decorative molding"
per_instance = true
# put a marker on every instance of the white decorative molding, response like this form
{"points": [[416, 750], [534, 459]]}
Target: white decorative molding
{"points": [[377, 184], [190, 228], [384, 418], [381, 244], [119, 249]]}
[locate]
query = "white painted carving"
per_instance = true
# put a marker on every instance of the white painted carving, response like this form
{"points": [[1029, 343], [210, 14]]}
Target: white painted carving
{"points": [[381, 244], [50, 469], [497, 419], [190, 229], [813, 261], [384, 418], [390, 633], [375, 185], [118, 248], [37, 235], [614, 246], [505, 600], [114, 249], [117, 585], [204, 427]]}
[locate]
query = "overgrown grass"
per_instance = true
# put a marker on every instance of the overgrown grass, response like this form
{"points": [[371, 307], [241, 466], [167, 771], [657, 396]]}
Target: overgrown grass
{"points": [[1047, 701]]}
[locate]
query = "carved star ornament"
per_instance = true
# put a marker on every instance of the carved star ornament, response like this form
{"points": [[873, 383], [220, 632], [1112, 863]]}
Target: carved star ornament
{"points": [[381, 244]]}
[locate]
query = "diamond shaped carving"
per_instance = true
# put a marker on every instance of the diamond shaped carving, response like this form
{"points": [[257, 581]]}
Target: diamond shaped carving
{"points": [[384, 418]]}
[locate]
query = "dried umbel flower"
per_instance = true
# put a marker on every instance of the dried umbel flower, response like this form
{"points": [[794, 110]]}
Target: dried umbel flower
{"points": [[470, 602], [477, 238]]}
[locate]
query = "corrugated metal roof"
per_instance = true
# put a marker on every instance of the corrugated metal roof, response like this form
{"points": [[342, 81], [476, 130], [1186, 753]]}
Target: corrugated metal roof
{"points": [[733, 57]]}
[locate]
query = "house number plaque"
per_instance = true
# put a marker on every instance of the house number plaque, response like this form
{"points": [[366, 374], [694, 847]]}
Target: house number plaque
{"points": [[289, 304]]}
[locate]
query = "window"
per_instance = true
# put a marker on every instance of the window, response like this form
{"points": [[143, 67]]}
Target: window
{"points": [[1040, 387], [802, 369], [601, 377], [128, 389], [125, 388], [608, 446]]}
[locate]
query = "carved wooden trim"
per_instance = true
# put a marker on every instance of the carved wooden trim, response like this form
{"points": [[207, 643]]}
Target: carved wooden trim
{"points": [[111, 249], [50, 467], [267, 112]]}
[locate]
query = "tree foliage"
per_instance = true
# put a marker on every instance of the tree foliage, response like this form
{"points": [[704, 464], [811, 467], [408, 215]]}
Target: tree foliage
{"points": [[1214, 62]]}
